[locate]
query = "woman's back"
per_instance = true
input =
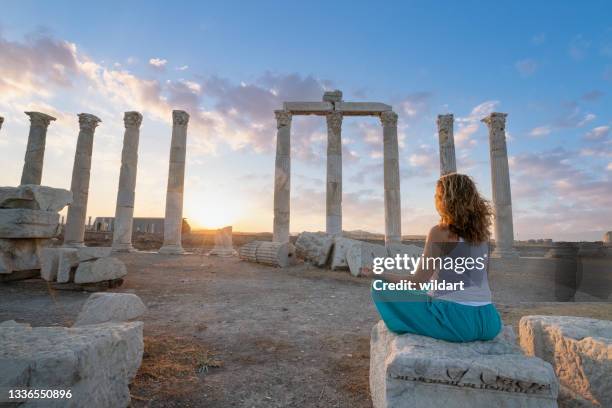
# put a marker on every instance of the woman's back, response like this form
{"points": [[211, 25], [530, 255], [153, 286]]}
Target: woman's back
{"points": [[466, 263]]}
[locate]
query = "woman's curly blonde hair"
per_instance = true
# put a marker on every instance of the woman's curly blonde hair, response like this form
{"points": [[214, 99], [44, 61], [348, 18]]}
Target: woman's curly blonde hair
{"points": [[462, 209]]}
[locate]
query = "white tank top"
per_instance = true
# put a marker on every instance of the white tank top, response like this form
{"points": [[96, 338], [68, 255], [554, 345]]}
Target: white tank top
{"points": [[475, 281]]}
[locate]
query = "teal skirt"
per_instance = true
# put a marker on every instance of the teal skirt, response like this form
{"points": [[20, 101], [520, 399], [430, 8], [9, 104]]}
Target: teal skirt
{"points": [[417, 313]]}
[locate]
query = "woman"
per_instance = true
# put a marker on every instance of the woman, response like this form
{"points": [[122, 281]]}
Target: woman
{"points": [[459, 315]]}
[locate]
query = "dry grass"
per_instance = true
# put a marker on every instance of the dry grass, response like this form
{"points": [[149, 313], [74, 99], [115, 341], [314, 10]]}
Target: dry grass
{"points": [[172, 366]]}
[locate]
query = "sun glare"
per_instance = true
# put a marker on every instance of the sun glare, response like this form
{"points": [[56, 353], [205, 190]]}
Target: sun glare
{"points": [[212, 214]]}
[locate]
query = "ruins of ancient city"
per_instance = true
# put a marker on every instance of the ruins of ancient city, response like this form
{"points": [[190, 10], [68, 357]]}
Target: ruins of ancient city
{"points": [[151, 308]]}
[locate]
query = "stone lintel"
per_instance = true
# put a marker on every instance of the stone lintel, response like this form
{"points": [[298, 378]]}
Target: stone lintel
{"points": [[362, 108], [308, 108]]}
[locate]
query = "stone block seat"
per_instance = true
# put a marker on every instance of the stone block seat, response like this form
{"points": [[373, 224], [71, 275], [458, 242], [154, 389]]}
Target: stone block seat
{"points": [[411, 371]]}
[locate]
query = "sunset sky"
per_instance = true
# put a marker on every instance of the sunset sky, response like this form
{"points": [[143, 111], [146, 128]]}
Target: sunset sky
{"points": [[230, 64]]}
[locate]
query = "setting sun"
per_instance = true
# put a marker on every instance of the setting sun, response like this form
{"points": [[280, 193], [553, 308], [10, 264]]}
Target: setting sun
{"points": [[212, 214]]}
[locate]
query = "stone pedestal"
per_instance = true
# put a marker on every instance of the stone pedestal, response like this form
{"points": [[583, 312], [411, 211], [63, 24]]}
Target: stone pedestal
{"points": [[500, 182], [173, 222], [447, 144], [74, 234], [124, 212], [334, 174], [35, 152], [393, 208], [282, 177]]}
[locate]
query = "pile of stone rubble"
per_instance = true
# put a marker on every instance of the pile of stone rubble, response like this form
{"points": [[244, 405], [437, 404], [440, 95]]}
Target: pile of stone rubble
{"points": [[84, 267], [339, 253], [95, 359], [29, 218], [325, 251]]}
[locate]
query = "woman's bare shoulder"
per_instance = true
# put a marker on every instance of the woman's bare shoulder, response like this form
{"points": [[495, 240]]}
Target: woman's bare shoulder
{"points": [[440, 233]]}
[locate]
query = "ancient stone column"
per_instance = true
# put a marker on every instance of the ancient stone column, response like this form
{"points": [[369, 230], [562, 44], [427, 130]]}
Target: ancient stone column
{"points": [[282, 177], [77, 211], [124, 211], [447, 144], [173, 223], [334, 174], [35, 152], [393, 208], [500, 183]]}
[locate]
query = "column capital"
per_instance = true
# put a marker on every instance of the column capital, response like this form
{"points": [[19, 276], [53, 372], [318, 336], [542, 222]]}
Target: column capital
{"points": [[495, 119], [283, 118], [334, 121], [132, 119], [180, 118], [39, 118], [388, 118], [88, 121], [446, 120]]}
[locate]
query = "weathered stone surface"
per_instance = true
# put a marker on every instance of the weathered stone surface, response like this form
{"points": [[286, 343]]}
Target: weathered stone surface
{"points": [[89, 253], [361, 255], [110, 307], [35, 197], [20, 254], [95, 362], [282, 177], [25, 223], [102, 269], [308, 108], [411, 371], [49, 262], [280, 254], [67, 261], [361, 108], [314, 247], [341, 246], [173, 222], [580, 350], [394, 249], [500, 183]]}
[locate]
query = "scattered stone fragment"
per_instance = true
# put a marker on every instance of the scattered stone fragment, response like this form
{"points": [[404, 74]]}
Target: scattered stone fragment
{"points": [[110, 307], [411, 371], [102, 269], [580, 350], [361, 255], [268, 253], [338, 258], [314, 247]]}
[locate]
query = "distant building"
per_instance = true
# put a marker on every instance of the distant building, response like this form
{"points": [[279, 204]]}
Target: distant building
{"points": [[150, 225], [607, 238]]}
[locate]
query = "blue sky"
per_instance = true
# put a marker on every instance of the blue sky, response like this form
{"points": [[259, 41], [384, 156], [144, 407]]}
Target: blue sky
{"points": [[549, 66]]}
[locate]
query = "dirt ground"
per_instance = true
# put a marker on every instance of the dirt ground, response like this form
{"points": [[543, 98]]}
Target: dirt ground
{"points": [[224, 333]]}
